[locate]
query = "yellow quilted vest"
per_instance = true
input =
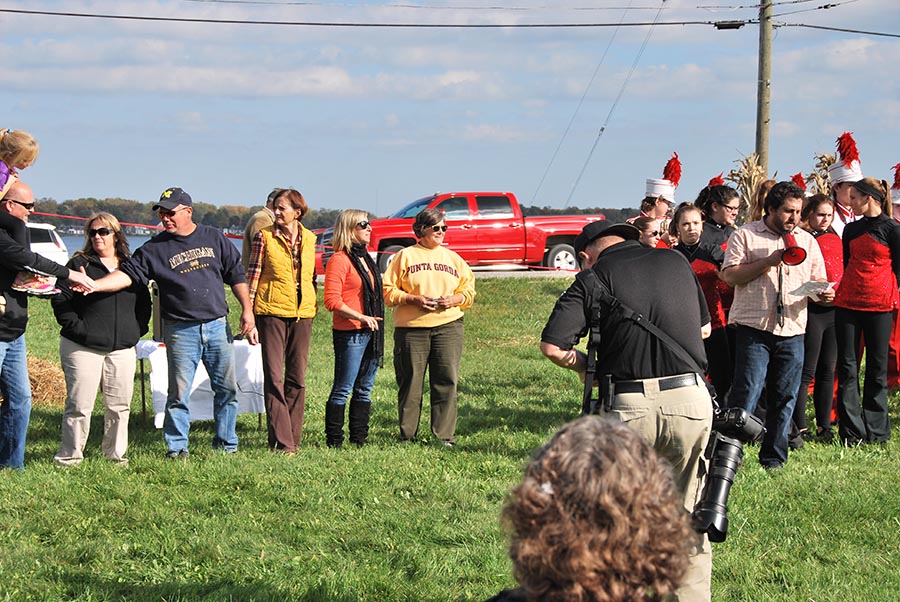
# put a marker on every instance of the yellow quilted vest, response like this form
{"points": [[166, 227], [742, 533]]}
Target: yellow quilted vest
{"points": [[276, 294]]}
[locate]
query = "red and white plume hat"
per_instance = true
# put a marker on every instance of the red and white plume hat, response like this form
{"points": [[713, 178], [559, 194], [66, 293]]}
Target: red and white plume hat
{"points": [[665, 188], [847, 167]]}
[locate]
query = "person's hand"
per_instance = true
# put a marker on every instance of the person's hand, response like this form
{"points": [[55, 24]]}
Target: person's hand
{"points": [[448, 301], [827, 296], [424, 302], [775, 258], [370, 322], [248, 327], [81, 282]]}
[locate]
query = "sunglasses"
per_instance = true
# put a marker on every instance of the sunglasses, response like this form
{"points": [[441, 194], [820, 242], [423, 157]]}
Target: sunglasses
{"points": [[440, 228], [163, 213], [28, 206], [101, 231], [652, 233], [363, 224]]}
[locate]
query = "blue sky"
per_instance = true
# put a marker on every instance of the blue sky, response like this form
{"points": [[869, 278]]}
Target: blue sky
{"points": [[374, 118]]}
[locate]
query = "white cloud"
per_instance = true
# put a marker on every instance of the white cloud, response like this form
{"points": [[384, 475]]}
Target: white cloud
{"points": [[492, 133]]}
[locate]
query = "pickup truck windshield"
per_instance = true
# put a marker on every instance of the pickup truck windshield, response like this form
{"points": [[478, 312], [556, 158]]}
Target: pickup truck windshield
{"points": [[414, 208]]}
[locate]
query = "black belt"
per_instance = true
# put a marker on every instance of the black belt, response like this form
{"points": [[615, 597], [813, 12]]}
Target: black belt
{"points": [[665, 384]]}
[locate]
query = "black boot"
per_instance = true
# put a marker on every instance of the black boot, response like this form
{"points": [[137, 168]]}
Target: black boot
{"points": [[334, 424], [359, 422]]}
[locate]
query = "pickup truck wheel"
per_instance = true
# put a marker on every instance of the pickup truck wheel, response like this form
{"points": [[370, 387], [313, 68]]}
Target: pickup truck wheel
{"points": [[386, 256], [562, 257]]}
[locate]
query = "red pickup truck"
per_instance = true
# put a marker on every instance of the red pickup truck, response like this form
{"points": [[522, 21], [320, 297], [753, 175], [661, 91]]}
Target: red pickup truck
{"points": [[485, 228]]}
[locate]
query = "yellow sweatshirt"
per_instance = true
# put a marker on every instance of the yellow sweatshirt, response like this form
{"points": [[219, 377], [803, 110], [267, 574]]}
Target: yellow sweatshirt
{"points": [[433, 273]]}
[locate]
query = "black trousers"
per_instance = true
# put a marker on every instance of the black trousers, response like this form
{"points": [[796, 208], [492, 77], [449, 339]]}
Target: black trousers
{"points": [[865, 422], [819, 361], [721, 363]]}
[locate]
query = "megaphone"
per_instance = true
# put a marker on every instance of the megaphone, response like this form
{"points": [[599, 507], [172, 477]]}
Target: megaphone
{"points": [[793, 254]]}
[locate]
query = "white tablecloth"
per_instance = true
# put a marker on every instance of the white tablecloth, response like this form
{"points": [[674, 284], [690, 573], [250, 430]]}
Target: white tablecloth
{"points": [[248, 368]]}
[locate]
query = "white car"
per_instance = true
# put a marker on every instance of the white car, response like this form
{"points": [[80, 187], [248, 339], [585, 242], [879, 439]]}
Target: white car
{"points": [[47, 242]]}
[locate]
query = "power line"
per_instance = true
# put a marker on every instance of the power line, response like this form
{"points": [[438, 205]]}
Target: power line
{"points": [[575, 113], [613, 107], [841, 29], [349, 24], [757, 6], [423, 7], [808, 10]]}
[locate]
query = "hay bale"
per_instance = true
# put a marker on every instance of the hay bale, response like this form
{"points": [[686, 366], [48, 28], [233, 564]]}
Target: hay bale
{"points": [[48, 383]]}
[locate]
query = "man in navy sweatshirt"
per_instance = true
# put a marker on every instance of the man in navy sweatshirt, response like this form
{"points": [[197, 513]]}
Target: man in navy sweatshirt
{"points": [[191, 263]]}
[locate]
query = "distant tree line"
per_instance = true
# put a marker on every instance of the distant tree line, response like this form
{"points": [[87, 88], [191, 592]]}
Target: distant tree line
{"points": [[230, 218], [613, 215]]}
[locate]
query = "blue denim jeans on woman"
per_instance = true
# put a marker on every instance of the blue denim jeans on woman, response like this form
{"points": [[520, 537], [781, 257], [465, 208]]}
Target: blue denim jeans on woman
{"points": [[16, 409], [764, 359], [187, 344], [355, 366]]}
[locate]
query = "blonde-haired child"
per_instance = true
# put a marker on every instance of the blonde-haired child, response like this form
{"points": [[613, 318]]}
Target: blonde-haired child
{"points": [[18, 150]]}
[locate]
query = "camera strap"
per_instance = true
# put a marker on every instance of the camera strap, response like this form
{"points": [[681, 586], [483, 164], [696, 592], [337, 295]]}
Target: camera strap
{"points": [[599, 296]]}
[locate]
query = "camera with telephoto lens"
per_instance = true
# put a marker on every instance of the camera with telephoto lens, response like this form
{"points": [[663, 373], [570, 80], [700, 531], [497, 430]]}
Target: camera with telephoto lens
{"points": [[732, 428]]}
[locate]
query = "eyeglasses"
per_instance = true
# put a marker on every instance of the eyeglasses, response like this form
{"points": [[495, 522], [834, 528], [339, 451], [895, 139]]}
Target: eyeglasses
{"points": [[101, 231], [440, 228], [732, 209], [29, 206], [363, 224], [652, 233], [164, 213]]}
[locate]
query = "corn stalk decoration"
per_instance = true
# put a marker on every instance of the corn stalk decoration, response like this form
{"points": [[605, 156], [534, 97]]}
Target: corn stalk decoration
{"points": [[747, 177], [819, 177]]}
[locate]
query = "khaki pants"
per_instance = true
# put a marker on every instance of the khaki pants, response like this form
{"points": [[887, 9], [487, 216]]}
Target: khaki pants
{"points": [[677, 424], [87, 369], [439, 351]]}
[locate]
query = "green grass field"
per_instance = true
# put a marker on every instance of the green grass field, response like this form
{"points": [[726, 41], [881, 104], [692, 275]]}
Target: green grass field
{"points": [[401, 522]]}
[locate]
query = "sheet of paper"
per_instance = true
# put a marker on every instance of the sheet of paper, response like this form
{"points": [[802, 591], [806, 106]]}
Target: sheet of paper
{"points": [[812, 289]]}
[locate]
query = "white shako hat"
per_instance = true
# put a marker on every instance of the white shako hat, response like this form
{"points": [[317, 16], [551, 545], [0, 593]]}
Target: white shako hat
{"points": [[665, 187], [847, 167]]}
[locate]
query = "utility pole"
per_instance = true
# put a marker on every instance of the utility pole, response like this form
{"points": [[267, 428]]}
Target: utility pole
{"points": [[764, 88]]}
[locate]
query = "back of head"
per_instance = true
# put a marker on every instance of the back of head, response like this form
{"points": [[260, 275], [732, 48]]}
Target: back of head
{"points": [[344, 227], [17, 147], [597, 517], [270, 200]]}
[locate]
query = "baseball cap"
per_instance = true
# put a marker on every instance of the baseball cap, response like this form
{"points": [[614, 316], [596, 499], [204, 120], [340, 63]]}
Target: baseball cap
{"points": [[595, 230], [172, 198]]}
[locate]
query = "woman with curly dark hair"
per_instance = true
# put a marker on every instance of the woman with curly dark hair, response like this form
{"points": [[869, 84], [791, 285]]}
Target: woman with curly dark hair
{"points": [[596, 518]]}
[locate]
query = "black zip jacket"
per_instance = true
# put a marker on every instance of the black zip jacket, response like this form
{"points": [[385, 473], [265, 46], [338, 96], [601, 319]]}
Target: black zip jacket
{"points": [[15, 257], [102, 321]]}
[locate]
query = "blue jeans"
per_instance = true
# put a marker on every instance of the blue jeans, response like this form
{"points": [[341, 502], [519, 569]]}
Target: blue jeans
{"points": [[16, 408], [762, 358], [187, 344], [355, 366]]}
